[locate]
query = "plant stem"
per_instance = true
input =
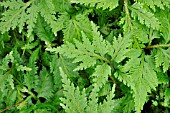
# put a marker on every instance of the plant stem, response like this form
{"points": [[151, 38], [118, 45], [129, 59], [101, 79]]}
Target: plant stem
{"points": [[10, 107], [158, 46]]}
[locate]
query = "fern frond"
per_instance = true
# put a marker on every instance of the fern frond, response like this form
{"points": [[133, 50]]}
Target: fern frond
{"points": [[74, 101], [162, 58], [43, 31], [153, 3], [12, 4], [29, 80], [101, 75], [47, 10], [21, 13], [109, 104], [141, 78], [104, 4], [84, 52], [75, 26], [32, 15], [44, 86], [164, 18], [145, 17], [62, 20], [66, 65], [77, 102], [119, 48], [167, 97], [14, 16]]}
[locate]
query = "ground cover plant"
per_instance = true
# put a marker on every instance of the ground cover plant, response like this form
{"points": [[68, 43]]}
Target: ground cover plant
{"points": [[84, 56]]}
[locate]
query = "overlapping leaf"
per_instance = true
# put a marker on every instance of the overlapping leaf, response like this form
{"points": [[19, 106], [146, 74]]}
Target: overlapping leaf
{"points": [[141, 77], [105, 4], [145, 17], [84, 52], [162, 58]]}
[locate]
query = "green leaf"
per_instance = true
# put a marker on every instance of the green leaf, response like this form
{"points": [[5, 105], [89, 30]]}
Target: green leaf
{"points": [[44, 86], [47, 10], [74, 26], [32, 15], [141, 77], [101, 75], [44, 31], [119, 48], [108, 104], [14, 16], [104, 4], [167, 97], [74, 100], [85, 52], [162, 58], [145, 17], [22, 68]]}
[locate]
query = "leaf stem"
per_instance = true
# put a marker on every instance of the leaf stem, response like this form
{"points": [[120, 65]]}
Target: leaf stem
{"points": [[157, 46], [10, 107]]}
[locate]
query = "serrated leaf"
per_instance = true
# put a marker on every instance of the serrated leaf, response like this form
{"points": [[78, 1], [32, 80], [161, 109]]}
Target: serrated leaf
{"points": [[73, 28], [15, 16], [22, 68], [145, 17], [84, 52], [109, 103], [101, 75], [44, 86], [31, 18], [119, 48], [74, 100], [162, 58], [141, 78], [47, 10], [104, 4], [43, 31], [167, 97]]}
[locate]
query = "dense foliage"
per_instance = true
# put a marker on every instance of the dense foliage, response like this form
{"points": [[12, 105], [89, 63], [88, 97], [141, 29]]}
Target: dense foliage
{"points": [[84, 56]]}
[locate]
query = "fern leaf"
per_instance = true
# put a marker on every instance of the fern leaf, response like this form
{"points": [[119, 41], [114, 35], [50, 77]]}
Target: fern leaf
{"points": [[29, 80], [145, 17], [162, 58], [8, 58], [22, 68], [153, 3], [30, 45], [62, 20], [32, 15], [98, 42], [14, 16], [12, 4], [47, 10], [44, 86], [74, 100], [66, 65], [141, 78], [73, 27], [167, 97], [126, 103], [101, 75], [142, 32], [84, 52], [164, 18], [105, 4], [44, 31], [108, 105], [119, 48]]}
